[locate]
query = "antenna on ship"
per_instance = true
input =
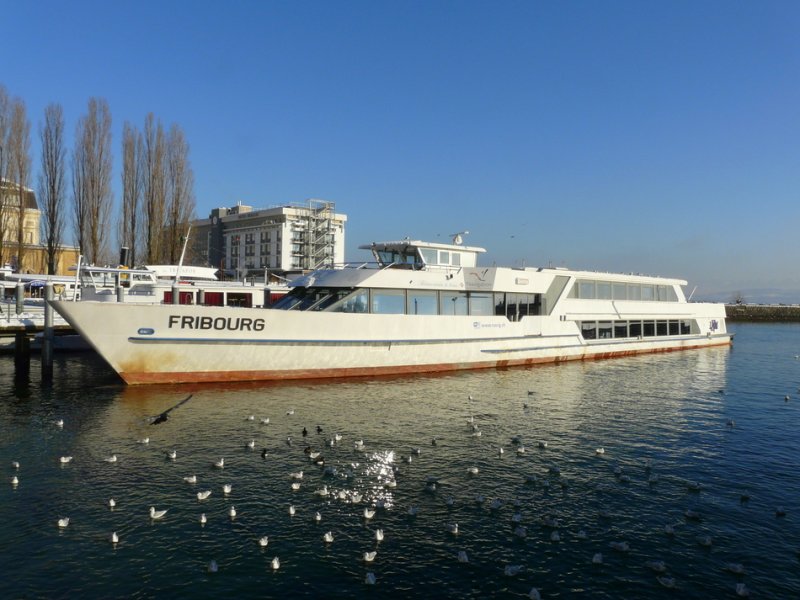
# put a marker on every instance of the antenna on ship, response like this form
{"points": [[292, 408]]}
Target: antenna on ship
{"points": [[183, 251], [457, 239]]}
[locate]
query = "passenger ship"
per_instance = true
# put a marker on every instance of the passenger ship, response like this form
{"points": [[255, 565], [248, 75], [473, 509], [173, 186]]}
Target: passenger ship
{"points": [[419, 307]]}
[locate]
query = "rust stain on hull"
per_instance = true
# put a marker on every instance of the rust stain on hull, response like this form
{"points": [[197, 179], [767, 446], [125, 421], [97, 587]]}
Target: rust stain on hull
{"points": [[140, 371]]}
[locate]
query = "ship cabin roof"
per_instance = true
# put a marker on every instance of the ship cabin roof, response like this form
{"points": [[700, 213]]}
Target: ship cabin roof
{"points": [[418, 255]]}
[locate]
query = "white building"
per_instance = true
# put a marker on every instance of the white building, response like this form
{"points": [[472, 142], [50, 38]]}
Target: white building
{"points": [[293, 237]]}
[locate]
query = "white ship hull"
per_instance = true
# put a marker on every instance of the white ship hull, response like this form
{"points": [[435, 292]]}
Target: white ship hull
{"points": [[180, 344]]}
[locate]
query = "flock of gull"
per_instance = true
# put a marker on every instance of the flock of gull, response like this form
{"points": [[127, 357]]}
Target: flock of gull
{"points": [[330, 482]]}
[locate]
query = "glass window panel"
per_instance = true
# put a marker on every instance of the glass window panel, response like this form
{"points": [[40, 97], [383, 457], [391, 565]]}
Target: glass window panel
{"points": [[422, 303], [357, 302], [604, 290], [604, 330], [634, 291], [455, 259], [586, 289], [444, 257], [661, 328], [589, 330], [649, 328], [388, 302], [620, 291], [620, 329], [428, 255], [648, 292], [453, 303], [481, 304], [686, 327], [674, 328], [634, 328], [500, 304]]}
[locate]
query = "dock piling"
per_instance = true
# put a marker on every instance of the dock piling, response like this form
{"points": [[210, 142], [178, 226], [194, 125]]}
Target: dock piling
{"points": [[48, 334], [20, 297]]}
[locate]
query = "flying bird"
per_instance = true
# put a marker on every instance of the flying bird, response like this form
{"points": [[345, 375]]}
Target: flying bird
{"points": [[165, 415]]}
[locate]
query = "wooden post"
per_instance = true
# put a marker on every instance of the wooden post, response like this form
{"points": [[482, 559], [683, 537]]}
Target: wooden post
{"points": [[20, 297], [22, 354], [47, 337]]}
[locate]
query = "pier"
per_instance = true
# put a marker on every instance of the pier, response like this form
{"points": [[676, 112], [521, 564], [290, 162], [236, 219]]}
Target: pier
{"points": [[763, 313], [24, 325]]}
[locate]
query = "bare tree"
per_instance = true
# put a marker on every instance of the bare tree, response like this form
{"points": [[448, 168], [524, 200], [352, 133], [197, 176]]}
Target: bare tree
{"points": [[180, 194], [5, 185], [92, 180], [20, 167], [154, 189], [131, 189], [52, 182]]}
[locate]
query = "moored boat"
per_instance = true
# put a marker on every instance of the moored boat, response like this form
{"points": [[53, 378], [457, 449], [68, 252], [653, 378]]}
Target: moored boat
{"points": [[419, 307]]}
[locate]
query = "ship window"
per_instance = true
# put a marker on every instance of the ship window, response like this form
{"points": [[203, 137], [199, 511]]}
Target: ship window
{"points": [[620, 329], [589, 330], [673, 328], [455, 259], [634, 291], [388, 302], [648, 293], [604, 330], [661, 328], [421, 303], [444, 257], [586, 290], [686, 327], [356, 302], [649, 328], [428, 255], [603, 290], [480, 304], [500, 304], [453, 303], [620, 291], [635, 329]]}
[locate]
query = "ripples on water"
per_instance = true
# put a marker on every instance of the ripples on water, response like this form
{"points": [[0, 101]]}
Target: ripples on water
{"points": [[671, 409]]}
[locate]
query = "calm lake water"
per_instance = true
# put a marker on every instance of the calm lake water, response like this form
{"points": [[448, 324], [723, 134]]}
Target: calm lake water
{"points": [[713, 424]]}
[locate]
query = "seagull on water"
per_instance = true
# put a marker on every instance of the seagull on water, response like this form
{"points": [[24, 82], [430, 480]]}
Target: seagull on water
{"points": [[232, 512], [157, 514], [263, 541], [213, 567], [250, 418], [291, 510], [114, 538], [172, 454], [15, 464], [379, 535], [227, 488], [453, 528], [473, 470], [742, 591], [220, 464], [203, 495], [667, 582], [462, 556], [15, 481], [63, 522], [112, 503], [597, 559], [534, 594], [144, 440], [275, 564], [368, 513], [600, 451], [111, 459], [328, 537], [512, 570], [297, 475], [59, 423], [543, 445], [265, 421], [370, 578], [555, 537], [65, 460], [521, 532], [659, 566], [190, 479], [737, 568], [251, 444], [203, 519], [370, 556], [295, 486], [290, 412], [317, 517], [581, 535]]}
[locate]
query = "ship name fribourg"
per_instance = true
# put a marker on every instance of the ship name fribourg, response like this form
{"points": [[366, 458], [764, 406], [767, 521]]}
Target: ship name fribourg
{"points": [[217, 323]]}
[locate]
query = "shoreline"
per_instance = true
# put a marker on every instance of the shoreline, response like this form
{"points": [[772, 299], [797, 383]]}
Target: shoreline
{"points": [[763, 313]]}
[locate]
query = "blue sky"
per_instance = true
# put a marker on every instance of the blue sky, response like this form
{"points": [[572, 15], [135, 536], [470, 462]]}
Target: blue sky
{"points": [[655, 137]]}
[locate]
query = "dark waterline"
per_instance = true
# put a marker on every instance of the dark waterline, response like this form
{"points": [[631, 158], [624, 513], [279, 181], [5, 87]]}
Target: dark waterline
{"points": [[673, 410]]}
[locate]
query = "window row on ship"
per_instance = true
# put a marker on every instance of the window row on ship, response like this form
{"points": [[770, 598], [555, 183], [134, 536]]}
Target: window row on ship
{"points": [[587, 289], [391, 301], [606, 330]]}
